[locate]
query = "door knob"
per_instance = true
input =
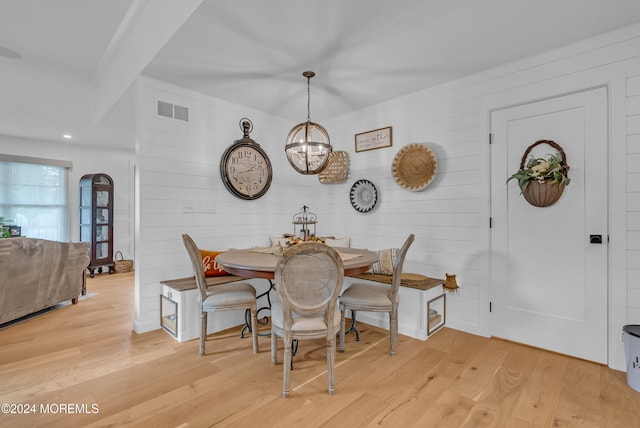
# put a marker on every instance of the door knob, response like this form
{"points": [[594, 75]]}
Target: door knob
{"points": [[595, 239]]}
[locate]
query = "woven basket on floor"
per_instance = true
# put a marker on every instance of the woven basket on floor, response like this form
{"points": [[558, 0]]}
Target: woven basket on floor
{"points": [[122, 265]]}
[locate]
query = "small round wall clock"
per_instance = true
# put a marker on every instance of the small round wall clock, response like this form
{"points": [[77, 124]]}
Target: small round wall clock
{"points": [[363, 196], [245, 168]]}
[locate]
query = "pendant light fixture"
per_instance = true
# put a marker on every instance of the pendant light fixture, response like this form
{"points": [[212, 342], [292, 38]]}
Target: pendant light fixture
{"points": [[308, 145]]}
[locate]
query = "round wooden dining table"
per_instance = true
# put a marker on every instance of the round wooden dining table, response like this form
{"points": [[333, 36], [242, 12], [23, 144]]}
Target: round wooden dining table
{"points": [[258, 263]]}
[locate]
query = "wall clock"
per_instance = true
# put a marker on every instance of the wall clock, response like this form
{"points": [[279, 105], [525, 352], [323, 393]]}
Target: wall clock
{"points": [[244, 167]]}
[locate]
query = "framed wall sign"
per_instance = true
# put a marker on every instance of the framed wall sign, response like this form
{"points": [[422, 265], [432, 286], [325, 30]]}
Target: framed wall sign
{"points": [[376, 139]]}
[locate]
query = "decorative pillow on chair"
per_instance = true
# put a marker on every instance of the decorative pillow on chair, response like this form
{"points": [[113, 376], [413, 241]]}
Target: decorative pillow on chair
{"points": [[386, 259], [338, 242], [211, 268], [275, 240]]}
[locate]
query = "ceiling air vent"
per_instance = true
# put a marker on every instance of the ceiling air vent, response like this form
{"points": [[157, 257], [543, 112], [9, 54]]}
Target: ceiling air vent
{"points": [[181, 113], [171, 111], [165, 109]]}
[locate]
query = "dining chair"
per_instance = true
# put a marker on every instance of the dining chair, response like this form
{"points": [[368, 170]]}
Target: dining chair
{"points": [[223, 297], [308, 280], [376, 298]]}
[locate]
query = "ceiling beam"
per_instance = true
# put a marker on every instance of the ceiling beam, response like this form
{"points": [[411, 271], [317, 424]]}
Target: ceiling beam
{"points": [[146, 27]]}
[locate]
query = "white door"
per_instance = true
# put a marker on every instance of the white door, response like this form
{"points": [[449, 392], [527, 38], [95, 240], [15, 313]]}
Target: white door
{"points": [[548, 280]]}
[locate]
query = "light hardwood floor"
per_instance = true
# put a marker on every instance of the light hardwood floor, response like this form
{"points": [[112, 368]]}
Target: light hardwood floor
{"points": [[87, 355]]}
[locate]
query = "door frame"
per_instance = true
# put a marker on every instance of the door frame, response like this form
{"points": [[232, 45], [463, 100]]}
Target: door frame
{"points": [[613, 77]]}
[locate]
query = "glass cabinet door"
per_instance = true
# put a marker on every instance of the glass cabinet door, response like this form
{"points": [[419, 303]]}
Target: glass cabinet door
{"points": [[85, 196], [102, 198], [102, 233], [96, 220], [102, 216], [85, 215], [102, 250], [85, 233]]}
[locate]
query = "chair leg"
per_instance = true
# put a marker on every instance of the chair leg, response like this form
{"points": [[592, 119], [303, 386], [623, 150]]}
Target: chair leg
{"points": [[274, 344], [331, 359], [342, 310], [286, 366], [393, 331], [254, 329], [203, 331]]}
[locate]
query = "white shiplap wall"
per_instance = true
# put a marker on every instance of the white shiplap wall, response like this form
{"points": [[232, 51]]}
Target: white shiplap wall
{"points": [[449, 217], [633, 192], [178, 163]]}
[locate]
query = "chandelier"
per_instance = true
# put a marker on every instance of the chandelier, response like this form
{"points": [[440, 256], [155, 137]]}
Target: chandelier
{"points": [[308, 145]]}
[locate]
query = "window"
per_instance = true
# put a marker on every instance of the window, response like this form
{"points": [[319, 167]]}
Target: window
{"points": [[34, 194]]}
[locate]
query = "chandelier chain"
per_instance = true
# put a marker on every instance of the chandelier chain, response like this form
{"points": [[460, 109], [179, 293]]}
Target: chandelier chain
{"points": [[308, 99]]}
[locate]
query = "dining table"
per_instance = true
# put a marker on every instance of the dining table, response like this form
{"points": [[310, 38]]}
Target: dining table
{"points": [[261, 262]]}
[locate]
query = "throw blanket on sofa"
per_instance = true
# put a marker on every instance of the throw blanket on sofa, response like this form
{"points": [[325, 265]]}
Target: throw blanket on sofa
{"points": [[36, 274]]}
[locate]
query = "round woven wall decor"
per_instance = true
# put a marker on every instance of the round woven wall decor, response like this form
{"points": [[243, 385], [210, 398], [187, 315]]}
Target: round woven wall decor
{"points": [[414, 167], [363, 196]]}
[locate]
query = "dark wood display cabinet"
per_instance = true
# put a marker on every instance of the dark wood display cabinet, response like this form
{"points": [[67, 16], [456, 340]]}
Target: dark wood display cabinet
{"points": [[96, 220]]}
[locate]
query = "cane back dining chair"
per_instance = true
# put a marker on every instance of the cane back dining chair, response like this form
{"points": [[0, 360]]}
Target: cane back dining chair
{"points": [[223, 297], [308, 280], [376, 298]]}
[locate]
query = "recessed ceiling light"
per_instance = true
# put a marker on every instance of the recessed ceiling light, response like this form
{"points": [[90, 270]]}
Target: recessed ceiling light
{"points": [[67, 136], [9, 53]]}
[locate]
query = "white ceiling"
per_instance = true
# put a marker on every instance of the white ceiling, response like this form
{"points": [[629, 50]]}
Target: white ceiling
{"points": [[253, 52]]}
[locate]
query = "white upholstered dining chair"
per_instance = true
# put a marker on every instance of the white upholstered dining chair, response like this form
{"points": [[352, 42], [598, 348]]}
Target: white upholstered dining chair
{"points": [[308, 280], [370, 297], [222, 297]]}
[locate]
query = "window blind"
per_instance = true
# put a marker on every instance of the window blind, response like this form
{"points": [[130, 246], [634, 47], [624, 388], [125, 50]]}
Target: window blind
{"points": [[34, 195]]}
